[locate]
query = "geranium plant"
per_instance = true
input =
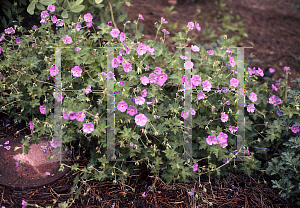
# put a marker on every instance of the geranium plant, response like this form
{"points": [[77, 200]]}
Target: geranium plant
{"points": [[149, 111]]}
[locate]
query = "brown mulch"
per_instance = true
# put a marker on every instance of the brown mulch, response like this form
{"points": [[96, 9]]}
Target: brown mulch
{"points": [[273, 32]]}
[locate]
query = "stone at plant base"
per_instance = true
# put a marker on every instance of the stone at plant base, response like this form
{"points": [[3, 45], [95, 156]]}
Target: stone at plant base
{"points": [[31, 172]]}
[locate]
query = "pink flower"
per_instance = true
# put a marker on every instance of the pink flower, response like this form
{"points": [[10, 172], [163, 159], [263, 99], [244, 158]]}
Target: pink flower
{"points": [[253, 97], [200, 95], [131, 111], [31, 124], [188, 65], [127, 67], [76, 71], [58, 96], [80, 116], [60, 22], [224, 117], [18, 40], [229, 51], [195, 167], [260, 72], [140, 119], [7, 142], [77, 49], [161, 79], [43, 109], [144, 80], [295, 129], [72, 115], [183, 57], [88, 128], [51, 8], [88, 17], [139, 100], [9, 31], [67, 39], [191, 25], [141, 49], [89, 24], [24, 203], [271, 70], [65, 115], [110, 23], [152, 78], [231, 61], [122, 37], [210, 52], [157, 70], [115, 33], [206, 85], [53, 71], [127, 49], [232, 129], [286, 69], [44, 14], [211, 139], [184, 114], [141, 17], [197, 26], [234, 82], [196, 80], [122, 106], [121, 83], [7, 147], [53, 19], [17, 163], [248, 151], [274, 88], [195, 48], [163, 20], [114, 63], [222, 137], [78, 26], [251, 108]]}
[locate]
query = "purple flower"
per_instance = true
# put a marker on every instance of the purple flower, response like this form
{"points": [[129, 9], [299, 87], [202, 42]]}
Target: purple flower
{"points": [[279, 112], [295, 129], [144, 195], [17, 163], [18, 40], [110, 23], [7, 147], [72, 115], [286, 69], [195, 167], [191, 193], [78, 26]]}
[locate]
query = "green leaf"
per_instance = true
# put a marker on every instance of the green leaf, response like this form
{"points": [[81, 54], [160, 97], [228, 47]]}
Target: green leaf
{"points": [[78, 2], [40, 6], [7, 3], [128, 3], [47, 2], [77, 8], [31, 7], [99, 6], [64, 14], [7, 13], [122, 17], [98, 1]]}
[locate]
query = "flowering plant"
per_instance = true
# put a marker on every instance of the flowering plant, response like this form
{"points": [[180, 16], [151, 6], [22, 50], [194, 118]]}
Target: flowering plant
{"points": [[161, 119]]}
